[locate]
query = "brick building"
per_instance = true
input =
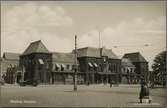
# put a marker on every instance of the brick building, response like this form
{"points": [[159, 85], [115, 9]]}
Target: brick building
{"points": [[140, 63], [99, 65], [36, 60], [95, 65]]}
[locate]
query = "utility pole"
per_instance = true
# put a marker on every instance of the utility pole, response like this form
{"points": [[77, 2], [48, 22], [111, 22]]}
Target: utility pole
{"points": [[76, 67], [99, 40]]}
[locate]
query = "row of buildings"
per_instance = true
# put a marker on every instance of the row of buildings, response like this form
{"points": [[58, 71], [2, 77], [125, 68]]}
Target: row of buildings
{"points": [[95, 65]]}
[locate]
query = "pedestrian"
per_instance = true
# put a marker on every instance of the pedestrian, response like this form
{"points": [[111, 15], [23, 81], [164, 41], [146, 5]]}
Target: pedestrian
{"points": [[88, 83], [144, 92], [110, 83]]}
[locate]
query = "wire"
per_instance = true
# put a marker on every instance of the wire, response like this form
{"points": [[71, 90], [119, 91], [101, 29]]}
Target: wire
{"points": [[146, 45]]}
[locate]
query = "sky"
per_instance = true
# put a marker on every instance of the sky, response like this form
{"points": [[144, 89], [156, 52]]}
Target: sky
{"points": [[123, 26]]}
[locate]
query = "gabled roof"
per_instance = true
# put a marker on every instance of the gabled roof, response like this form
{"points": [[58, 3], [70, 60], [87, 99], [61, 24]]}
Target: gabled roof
{"points": [[11, 56], [96, 52], [126, 62], [135, 57], [88, 52], [36, 47], [63, 57]]}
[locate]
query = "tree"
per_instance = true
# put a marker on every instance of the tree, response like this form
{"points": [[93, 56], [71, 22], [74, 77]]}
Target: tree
{"points": [[159, 68]]}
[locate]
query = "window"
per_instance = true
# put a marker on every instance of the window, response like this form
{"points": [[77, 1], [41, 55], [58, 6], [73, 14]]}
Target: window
{"points": [[114, 68], [95, 65], [40, 61], [128, 70], [62, 67], [131, 69], [100, 67], [53, 67], [68, 67], [110, 67], [47, 65], [124, 70], [90, 64], [57, 67]]}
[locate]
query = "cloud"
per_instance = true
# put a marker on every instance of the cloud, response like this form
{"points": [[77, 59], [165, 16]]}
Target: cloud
{"points": [[52, 41], [24, 23], [30, 22], [130, 36], [138, 31], [32, 15]]}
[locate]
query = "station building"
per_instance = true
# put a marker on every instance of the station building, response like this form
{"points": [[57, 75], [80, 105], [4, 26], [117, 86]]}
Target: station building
{"points": [[95, 65]]}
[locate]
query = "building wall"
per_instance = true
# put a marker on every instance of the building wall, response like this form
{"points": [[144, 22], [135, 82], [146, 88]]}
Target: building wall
{"points": [[128, 75], [62, 72], [141, 69], [91, 73], [88, 66], [36, 71], [115, 67]]}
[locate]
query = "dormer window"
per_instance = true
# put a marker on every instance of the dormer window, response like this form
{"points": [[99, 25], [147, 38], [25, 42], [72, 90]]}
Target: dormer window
{"points": [[41, 61]]}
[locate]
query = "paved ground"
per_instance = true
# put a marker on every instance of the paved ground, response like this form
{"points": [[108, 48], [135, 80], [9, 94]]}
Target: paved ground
{"points": [[86, 96]]}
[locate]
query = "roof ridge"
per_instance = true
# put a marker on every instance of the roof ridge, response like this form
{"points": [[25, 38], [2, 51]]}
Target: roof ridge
{"points": [[88, 47], [11, 52], [135, 57], [133, 53], [36, 41], [63, 52]]}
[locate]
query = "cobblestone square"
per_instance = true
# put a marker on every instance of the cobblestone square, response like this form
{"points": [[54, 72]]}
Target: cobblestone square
{"points": [[85, 96]]}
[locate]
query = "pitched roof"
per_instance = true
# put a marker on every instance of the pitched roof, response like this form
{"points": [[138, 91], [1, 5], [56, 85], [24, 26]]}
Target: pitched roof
{"points": [[63, 57], [88, 52], [36, 47], [126, 62], [135, 57], [109, 53], [96, 52], [11, 56]]}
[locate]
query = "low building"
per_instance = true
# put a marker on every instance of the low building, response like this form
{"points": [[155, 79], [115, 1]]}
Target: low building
{"points": [[141, 65]]}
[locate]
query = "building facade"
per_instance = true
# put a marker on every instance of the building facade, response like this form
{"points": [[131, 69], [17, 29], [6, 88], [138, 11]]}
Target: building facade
{"points": [[62, 68], [99, 65], [140, 63], [127, 71], [95, 66], [36, 61]]}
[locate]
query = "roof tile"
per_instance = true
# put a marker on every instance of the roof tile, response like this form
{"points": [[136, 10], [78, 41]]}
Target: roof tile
{"points": [[135, 57], [36, 47]]}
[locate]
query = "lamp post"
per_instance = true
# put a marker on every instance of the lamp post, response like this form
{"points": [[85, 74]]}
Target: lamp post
{"points": [[76, 68]]}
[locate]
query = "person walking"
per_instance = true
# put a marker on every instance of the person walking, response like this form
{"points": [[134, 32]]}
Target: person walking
{"points": [[144, 92], [111, 83]]}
